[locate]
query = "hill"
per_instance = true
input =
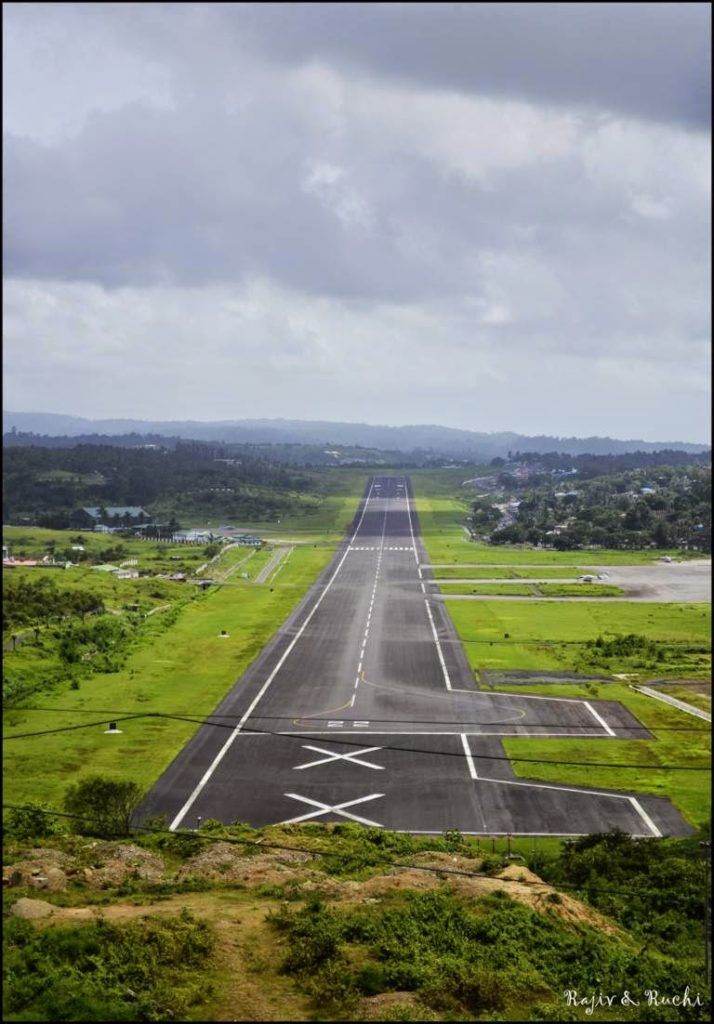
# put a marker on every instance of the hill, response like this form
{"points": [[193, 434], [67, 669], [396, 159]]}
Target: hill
{"points": [[444, 441]]}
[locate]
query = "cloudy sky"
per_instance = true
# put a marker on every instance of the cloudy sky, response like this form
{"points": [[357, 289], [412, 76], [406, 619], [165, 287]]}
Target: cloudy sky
{"points": [[489, 216]]}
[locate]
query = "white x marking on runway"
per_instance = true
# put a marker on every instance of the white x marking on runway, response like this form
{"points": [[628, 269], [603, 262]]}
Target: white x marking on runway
{"points": [[339, 757], [338, 809]]}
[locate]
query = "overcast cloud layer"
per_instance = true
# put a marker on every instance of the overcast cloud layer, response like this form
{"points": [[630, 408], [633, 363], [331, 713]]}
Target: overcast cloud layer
{"points": [[482, 215]]}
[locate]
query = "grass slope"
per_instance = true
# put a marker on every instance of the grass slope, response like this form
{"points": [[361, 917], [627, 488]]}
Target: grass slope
{"points": [[185, 669]]}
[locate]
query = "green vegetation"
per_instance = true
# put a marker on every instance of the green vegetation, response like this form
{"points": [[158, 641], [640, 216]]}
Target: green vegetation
{"points": [[624, 914], [507, 589], [192, 477], [446, 513], [143, 970], [553, 635], [508, 572], [533, 589], [194, 482], [105, 806], [467, 938], [177, 662], [151, 556], [688, 790], [662, 507]]}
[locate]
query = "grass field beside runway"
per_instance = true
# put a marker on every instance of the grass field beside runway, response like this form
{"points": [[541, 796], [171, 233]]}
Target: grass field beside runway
{"points": [[699, 695], [340, 494], [151, 556], [516, 589], [443, 515], [481, 572], [688, 790], [185, 669], [535, 635], [535, 621]]}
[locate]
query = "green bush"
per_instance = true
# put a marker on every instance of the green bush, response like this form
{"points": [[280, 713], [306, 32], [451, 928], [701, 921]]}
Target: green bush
{"points": [[147, 970], [102, 806], [33, 821]]}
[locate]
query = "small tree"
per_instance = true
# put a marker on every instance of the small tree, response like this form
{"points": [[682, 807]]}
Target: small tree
{"points": [[105, 806]]}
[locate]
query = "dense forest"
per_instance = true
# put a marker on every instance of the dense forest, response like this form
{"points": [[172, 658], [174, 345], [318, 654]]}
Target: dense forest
{"points": [[594, 501], [41, 486]]}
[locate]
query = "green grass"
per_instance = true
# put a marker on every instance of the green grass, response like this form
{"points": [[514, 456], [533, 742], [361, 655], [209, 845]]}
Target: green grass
{"points": [[185, 669], [551, 635], [535, 621], [689, 695], [506, 589], [471, 572], [32, 541], [579, 590], [688, 790]]}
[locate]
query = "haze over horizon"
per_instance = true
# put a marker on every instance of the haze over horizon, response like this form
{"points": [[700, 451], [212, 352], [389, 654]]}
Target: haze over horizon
{"points": [[492, 217]]}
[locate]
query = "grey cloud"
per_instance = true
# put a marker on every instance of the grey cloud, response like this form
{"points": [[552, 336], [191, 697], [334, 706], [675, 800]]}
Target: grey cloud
{"points": [[358, 196], [643, 59]]}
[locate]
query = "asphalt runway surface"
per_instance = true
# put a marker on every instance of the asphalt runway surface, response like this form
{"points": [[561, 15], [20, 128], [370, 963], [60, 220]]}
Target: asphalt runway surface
{"points": [[363, 707]]}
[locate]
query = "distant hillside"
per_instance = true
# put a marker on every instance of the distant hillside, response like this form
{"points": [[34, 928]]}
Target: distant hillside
{"points": [[444, 441]]}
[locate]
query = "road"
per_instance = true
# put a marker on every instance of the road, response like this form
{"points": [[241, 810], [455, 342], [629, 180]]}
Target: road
{"points": [[363, 707]]}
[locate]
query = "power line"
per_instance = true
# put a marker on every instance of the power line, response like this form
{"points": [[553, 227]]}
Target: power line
{"points": [[392, 721], [260, 844], [344, 741]]}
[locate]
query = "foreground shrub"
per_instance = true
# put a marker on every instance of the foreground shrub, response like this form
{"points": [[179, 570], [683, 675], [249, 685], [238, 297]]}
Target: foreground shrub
{"points": [[147, 970]]}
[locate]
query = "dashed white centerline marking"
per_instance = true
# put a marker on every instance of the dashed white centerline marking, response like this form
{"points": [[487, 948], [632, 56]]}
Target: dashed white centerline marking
{"points": [[231, 739]]}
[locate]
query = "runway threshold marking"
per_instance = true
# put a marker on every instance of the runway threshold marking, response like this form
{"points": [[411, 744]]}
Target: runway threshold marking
{"points": [[333, 756], [231, 739], [335, 809]]}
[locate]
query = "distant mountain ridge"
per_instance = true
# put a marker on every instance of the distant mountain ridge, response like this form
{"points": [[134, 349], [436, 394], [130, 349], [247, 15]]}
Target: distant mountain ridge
{"points": [[446, 441]]}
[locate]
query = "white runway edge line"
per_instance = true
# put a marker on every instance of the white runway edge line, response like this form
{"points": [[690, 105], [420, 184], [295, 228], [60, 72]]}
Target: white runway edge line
{"points": [[439, 651], [599, 718], [227, 745], [469, 756], [584, 792]]}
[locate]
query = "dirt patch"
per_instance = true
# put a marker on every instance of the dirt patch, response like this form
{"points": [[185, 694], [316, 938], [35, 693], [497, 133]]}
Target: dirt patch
{"points": [[114, 863], [248, 984], [228, 863], [514, 677], [98, 866], [374, 1007]]}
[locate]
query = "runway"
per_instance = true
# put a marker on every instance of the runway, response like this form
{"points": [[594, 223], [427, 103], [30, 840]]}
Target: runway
{"points": [[363, 707]]}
